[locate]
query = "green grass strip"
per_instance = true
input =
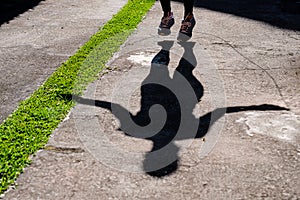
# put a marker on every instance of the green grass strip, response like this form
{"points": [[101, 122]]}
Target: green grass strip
{"points": [[29, 127]]}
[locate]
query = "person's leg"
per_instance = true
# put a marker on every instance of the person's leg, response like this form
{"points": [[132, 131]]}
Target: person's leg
{"points": [[188, 22], [188, 7], [167, 21], [166, 6]]}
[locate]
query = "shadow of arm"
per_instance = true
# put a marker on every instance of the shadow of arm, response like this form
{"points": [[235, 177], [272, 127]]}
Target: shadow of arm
{"points": [[207, 120]]}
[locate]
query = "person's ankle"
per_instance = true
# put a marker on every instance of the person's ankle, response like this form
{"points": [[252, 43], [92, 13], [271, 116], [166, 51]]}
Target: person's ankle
{"points": [[167, 14], [188, 16]]}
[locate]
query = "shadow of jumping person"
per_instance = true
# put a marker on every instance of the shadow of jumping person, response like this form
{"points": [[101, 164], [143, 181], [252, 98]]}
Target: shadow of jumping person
{"points": [[166, 113], [178, 98]]}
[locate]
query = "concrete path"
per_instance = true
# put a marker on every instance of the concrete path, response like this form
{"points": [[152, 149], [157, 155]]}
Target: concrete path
{"points": [[250, 152], [38, 41]]}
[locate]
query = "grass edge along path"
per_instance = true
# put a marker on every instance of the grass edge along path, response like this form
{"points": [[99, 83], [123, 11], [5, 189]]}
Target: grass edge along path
{"points": [[28, 128]]}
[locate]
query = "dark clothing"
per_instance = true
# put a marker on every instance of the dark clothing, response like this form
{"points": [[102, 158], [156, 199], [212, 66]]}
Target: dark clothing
{"points": [[188, 6]]}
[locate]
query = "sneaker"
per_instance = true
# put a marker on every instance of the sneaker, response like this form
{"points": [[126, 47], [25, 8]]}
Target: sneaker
{"points": [[186, 29], [166, 24]]}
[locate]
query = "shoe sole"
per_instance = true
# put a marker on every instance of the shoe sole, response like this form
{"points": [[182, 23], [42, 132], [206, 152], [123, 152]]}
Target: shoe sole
{"points": [[164, 32]]}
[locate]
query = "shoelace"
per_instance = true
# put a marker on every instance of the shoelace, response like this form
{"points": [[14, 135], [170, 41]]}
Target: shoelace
{"points": [[185, 26], [165, 20]]}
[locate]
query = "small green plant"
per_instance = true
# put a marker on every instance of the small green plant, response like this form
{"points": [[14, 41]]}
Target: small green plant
{"points": [[28, 129]]}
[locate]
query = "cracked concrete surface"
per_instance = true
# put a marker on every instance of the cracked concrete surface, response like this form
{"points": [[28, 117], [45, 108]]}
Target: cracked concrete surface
{"points": [[257, 64], [38, 41]]}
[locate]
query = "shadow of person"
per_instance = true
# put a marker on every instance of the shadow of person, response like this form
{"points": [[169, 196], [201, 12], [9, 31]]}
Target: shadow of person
{"points": [[163, 157], [166, 113]]}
